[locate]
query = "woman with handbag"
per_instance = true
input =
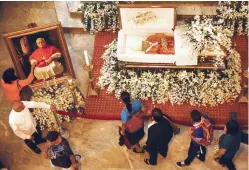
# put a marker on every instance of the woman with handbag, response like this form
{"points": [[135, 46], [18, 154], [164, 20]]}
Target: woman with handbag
{"points": [[132, 121]]}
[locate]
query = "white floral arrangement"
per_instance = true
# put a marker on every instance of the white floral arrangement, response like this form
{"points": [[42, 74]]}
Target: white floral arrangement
{"points": [[145, 17], [100, 16], [234, 16], [203, 34], [61, 97], [195, 87]]}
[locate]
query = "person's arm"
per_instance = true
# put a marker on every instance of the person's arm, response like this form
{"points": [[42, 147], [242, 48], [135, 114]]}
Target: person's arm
{"points": [[46, 151], [143, 110], [124, 119], [74, 162], [30, 78], [69, 152], [122, 130], [224, 144], [18, 132], [33, 104], [55, 54], [198, 135], [52, 57], [197, 140], [33, 62]]}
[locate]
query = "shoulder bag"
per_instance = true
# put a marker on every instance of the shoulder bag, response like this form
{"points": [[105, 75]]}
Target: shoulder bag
{"points": [[175, 128]]}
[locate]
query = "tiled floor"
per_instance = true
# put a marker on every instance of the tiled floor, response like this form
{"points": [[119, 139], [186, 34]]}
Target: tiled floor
{"points": [[95, 140]]}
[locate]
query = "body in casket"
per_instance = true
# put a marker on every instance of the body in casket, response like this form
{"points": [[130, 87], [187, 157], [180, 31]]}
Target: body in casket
{"points": [[140, 24]]}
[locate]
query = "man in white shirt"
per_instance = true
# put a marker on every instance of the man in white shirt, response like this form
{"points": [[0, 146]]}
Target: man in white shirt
{"points": [[24, 125]]}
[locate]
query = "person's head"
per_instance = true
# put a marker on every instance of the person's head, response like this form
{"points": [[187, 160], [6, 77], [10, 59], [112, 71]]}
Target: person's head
{"points": [[157, 114], [53, 137], [232, 127], [195, 115], [40, 42], [9, 76], [125, 97], [17, 105]]}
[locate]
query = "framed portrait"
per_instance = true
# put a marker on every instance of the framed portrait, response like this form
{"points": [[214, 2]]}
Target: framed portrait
{"points": [[25, 51]]}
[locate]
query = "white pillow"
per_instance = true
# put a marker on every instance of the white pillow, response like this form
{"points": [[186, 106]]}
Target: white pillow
{"points": [[134, 42]]}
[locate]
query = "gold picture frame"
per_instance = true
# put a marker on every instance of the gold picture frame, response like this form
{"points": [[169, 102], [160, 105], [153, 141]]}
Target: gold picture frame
{"points": [[53, 34]]}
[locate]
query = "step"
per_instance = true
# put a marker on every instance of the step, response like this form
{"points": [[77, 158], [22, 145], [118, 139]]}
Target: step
{"points": [[70, 18], [73, 7], [63, 15], [185, 10]]}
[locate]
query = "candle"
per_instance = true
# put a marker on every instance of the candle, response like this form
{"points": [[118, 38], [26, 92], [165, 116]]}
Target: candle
{"points": [[86, 58]]}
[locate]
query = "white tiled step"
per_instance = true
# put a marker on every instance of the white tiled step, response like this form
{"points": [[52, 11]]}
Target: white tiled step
{"points": [[63, 16], [73, 5], [69, 17]]}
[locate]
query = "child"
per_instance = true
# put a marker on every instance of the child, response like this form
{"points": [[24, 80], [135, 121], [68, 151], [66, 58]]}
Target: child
{"points": [[59, 152], [195, 149]]}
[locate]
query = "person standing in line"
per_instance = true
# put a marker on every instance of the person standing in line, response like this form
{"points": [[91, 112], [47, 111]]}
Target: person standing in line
{"points": [[229, 144], [59, 152], [195, 148], [132, 108], [24, 125], [159, 136]]}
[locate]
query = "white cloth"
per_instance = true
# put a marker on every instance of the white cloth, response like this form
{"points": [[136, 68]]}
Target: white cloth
{"points": [[129, 47], [130, 42], [22, 123], [152, 123], [43, 73]]}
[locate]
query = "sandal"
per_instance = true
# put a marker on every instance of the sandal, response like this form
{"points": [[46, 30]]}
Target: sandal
{"points": [[217, 160], [135, 150], [147, 161], [181, 164], [198, 156]]}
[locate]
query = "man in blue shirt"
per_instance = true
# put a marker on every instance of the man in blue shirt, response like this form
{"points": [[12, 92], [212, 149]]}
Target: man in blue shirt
{"points": [[196, 134]]}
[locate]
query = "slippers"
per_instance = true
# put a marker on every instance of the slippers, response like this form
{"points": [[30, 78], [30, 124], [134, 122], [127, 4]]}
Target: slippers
{"points": [[217, 160], [147, 161], [198, 156], [134, 150]]}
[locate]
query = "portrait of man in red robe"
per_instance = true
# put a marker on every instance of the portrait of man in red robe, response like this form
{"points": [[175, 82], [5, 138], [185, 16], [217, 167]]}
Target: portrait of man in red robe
{"points": [[44, 59]]}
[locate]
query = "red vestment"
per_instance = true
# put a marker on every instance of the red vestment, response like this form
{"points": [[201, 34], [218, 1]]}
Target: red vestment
{"points": [[42, 54], [161, 48]]}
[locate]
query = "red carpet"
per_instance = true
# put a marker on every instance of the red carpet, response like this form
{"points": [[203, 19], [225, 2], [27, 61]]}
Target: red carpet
{"points": [[108, 107]]}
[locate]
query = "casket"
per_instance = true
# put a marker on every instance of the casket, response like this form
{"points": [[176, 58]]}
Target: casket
{"points": [[140, 21]]}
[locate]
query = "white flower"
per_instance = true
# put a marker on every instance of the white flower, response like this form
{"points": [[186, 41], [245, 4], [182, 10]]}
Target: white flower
{"points": [[61, 97]]}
